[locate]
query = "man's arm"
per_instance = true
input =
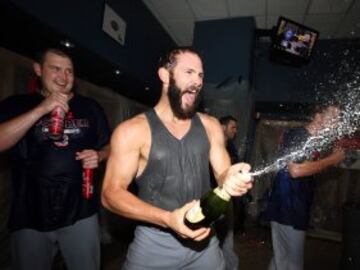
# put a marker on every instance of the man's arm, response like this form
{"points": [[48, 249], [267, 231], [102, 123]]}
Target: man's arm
{"points": [[309, 168], [14, 129], [234, 179], [127, 142]]}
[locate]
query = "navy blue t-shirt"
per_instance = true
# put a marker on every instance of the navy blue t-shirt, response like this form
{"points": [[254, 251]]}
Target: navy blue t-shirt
{"points": [[291, 198], [46, 178]]}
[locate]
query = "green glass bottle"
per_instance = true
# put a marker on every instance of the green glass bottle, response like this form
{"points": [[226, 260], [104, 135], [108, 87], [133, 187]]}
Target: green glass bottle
{"points": [[211, 207]]}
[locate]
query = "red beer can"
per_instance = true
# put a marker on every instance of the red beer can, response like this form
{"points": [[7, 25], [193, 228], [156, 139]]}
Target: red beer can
{"points": [[56, 126], [87, 185]]}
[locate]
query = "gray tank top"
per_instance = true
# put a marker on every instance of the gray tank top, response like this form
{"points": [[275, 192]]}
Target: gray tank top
{"points": [[177, 170]]}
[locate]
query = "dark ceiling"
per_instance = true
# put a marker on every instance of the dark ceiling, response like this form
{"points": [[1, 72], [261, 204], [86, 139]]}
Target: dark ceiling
{"points": [[23, 34]]}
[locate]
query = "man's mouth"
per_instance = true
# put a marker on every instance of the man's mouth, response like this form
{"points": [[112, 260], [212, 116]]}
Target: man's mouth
{"points": [[191, 94]]}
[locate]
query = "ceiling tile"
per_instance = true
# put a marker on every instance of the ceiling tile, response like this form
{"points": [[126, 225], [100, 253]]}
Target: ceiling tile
{"points": [[335, 18], [209, 8], [247, 8], [355, 11], [275, 7], [170, 9], [340, 6], [260, 22], [183, 29], [349, 27], [319, 7], [273, 20], [326, 24], [329, 6]]}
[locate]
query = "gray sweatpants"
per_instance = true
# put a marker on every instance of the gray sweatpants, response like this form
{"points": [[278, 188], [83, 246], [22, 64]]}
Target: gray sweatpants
{"points": [[288, 247], [159, 250], [79, 245]]}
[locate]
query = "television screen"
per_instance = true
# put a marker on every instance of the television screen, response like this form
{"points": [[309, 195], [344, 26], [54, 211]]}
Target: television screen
{"points": [[293, 41]]}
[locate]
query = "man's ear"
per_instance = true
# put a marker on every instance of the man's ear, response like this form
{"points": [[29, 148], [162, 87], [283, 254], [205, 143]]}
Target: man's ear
{"points": [[37, 69], [164, 75]]}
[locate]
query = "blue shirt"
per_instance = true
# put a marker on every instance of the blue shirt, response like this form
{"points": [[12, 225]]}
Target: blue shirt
{"points": [[290, 199]]}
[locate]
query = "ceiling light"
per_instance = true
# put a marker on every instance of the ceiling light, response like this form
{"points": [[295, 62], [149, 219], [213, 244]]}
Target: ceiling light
{"points": [[117, 72], [67, 44]]}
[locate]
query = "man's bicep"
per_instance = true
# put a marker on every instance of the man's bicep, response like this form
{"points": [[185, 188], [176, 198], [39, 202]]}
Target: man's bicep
{"points": [[219, 157], [123, 161]]}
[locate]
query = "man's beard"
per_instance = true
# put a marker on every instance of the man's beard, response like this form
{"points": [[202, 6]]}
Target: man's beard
{"points": [[175, 98]]}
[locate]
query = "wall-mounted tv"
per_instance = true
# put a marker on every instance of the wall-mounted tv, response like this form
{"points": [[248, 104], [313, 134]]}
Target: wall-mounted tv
{"points": [[293, 42]]}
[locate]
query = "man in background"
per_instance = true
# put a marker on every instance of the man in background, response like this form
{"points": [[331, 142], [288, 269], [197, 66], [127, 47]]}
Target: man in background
{"points": [[49, 210], [225, 226], [291, 197]]}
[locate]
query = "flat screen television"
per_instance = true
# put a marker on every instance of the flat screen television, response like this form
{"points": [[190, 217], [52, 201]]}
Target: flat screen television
{"points": [[293, 42]]}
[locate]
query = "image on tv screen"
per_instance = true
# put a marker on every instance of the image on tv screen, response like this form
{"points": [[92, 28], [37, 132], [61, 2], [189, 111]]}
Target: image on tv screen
{"points": [[294, 38]]}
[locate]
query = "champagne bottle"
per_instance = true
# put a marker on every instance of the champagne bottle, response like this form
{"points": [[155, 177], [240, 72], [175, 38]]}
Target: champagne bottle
{"points": [[210, 208]]}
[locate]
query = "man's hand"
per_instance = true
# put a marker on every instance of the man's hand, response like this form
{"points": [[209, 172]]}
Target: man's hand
{"points": [[176, 223], [55, 100], [339, 155], [237, 180], [89, 158]]}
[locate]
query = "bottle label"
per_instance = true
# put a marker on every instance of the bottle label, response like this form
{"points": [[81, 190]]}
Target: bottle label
{"points": [[195, 214], [56, 123], [222, 194], [87, 186]]}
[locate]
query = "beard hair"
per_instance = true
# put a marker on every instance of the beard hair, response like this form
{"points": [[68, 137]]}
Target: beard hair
{"points": [[175, 94]]}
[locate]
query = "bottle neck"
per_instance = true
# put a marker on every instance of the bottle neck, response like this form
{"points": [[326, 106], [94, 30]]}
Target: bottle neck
{"points": [[219, 191]]}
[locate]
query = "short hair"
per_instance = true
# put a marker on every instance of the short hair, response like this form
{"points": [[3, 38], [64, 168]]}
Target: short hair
{"points": [[226, 119], [169, 59], [320, 108], [58, 51]]}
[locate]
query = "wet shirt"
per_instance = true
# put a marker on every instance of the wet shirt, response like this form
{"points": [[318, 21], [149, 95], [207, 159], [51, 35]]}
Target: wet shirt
{"points": [[178, 169], [46, 178], [290, 199]]}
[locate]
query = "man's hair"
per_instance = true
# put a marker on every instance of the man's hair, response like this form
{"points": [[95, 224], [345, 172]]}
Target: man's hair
{"points": [[320, 108], [226, 119], [169, 60], [58, 51]]}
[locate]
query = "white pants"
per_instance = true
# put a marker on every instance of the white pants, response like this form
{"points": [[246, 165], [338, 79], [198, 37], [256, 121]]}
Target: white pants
{"points": [[288, 247]]}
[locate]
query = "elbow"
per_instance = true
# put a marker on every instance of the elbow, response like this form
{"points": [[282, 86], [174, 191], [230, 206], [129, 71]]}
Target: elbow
{"points": [[5, 146], [106, 199]]}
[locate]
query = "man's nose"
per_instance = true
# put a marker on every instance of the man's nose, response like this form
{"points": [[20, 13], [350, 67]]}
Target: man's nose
{"points": [[198, 81]]}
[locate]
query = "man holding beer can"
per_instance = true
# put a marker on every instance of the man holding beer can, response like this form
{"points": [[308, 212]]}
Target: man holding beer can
{"points": [[57, 139]]}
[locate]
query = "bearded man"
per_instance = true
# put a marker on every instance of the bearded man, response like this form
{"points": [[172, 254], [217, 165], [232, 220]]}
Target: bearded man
{"points": [[167, 151]]}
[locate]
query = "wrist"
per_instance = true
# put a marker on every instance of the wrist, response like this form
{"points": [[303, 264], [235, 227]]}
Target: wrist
{"points": [[165, 219], [100, 158], [38, 112]]}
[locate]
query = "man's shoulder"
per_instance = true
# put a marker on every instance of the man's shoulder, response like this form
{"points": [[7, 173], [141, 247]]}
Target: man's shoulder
{"points": [[134, 125], [208, 120]]}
